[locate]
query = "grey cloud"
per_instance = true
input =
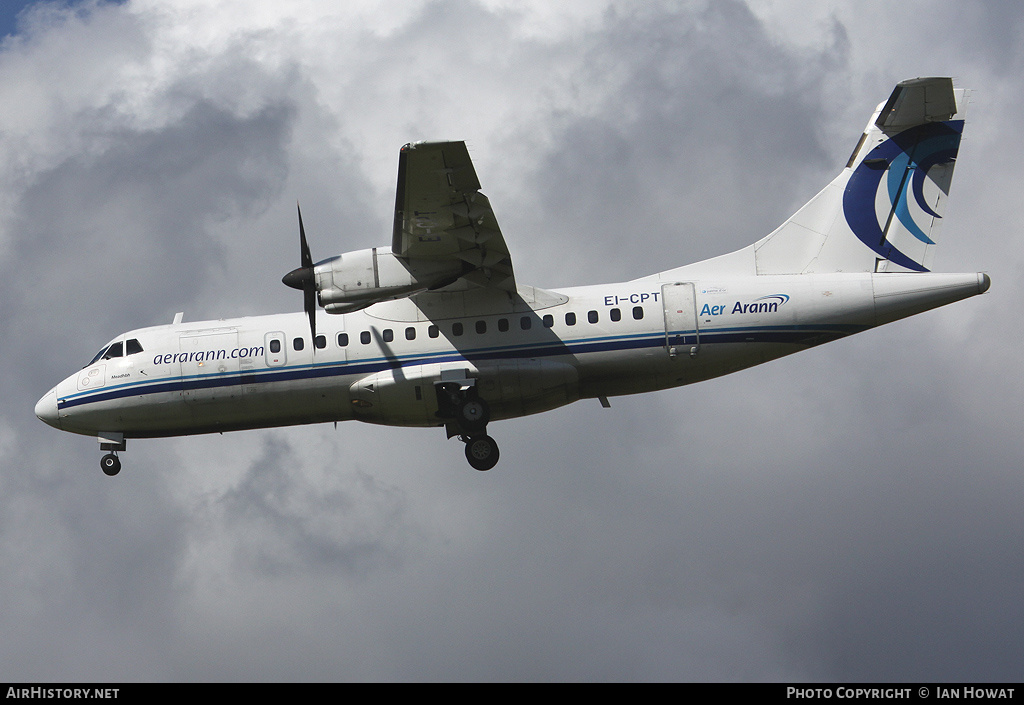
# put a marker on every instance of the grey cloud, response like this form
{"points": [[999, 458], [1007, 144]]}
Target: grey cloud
{"points": [[122, 238], [289, 519], [643, 178]]}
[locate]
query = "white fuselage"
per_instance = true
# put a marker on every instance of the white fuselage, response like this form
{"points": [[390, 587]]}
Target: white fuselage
{"points": [[539, 351]]}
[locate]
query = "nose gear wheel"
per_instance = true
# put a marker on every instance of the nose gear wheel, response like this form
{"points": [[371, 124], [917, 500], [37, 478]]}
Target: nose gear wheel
{"points": [[110, 464]]}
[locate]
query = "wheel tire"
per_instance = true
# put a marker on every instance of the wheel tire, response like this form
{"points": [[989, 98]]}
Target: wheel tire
{"points": [[110, 464], [482, 452], [474, 414]]}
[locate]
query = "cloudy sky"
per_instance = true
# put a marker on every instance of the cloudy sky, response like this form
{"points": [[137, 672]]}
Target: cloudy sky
{"points": [[849, 513]]}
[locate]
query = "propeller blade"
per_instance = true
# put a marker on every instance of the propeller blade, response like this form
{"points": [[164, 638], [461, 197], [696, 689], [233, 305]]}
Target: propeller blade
{"points": [[309, 303], [304, 279], [306, 258]]}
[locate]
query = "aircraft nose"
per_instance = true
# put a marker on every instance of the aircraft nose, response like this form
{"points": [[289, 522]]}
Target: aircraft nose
{"points": [[46, 409]]}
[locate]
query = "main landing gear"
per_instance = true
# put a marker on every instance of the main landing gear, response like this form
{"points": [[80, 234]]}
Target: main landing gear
{"points": [[466, 416]]}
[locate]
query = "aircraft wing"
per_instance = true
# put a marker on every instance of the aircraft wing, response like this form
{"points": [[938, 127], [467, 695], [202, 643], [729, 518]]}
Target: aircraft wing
{"points": [[441, 216]]}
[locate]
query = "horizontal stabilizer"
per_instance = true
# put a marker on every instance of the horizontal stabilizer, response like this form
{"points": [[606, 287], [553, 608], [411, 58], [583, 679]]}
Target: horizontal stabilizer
{"points": [[917, 101]]}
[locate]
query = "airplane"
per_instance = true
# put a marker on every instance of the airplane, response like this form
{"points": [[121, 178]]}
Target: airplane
{"points": [[436, 330]]}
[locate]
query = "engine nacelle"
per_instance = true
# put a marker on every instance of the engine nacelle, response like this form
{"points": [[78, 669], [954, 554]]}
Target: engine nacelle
{"points": [[357, 279]]}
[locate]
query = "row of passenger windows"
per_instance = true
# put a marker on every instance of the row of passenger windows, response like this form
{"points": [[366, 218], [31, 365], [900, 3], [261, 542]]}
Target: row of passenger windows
{"points": [[458, 329], [132, 346]]}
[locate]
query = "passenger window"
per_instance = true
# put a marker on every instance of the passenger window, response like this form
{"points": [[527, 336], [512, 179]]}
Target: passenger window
{"points": [[132, 347], [503, 325], [592, 316], [342, 340], [410, 333], [320, 342], [275, 346], [115, 350], [433, 331], [570, 319], [615, 314], [525, 323], [456, 329], [638, 312], [481, 327], [548, 321], [389, 335], [364, 337], [298, 344]]}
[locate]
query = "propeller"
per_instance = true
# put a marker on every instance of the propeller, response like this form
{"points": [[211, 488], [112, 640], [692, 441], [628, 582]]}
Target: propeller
{"points": [[304, 279]]}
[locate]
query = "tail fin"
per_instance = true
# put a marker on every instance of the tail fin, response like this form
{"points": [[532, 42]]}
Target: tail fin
{"points": [[857, 224]]}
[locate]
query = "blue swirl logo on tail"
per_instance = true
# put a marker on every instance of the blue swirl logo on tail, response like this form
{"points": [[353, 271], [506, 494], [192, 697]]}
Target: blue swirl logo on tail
{"points": [[905, 160]]}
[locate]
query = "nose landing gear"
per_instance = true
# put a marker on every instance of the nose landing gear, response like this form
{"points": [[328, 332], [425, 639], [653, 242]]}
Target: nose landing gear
{"points": [[112, 443]]}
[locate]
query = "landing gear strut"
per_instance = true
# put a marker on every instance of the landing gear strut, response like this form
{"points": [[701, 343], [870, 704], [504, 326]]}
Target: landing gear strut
{"points": [[467, 416]]}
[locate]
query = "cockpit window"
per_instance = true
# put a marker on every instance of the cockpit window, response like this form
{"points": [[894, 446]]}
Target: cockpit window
{"points": [[115, 350], [118, 349], [97, 356]]}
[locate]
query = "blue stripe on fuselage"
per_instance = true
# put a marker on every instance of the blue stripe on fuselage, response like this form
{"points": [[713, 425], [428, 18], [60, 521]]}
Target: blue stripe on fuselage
{"points": [[769, 334]]}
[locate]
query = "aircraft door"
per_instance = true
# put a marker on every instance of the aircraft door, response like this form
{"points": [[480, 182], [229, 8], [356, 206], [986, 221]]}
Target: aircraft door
{"points": [[209, 364], [275, 349], [681, 331]]}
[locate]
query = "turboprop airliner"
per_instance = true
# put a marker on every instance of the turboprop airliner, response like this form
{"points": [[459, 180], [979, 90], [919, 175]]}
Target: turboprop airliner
{"points": [[436, 330]]}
